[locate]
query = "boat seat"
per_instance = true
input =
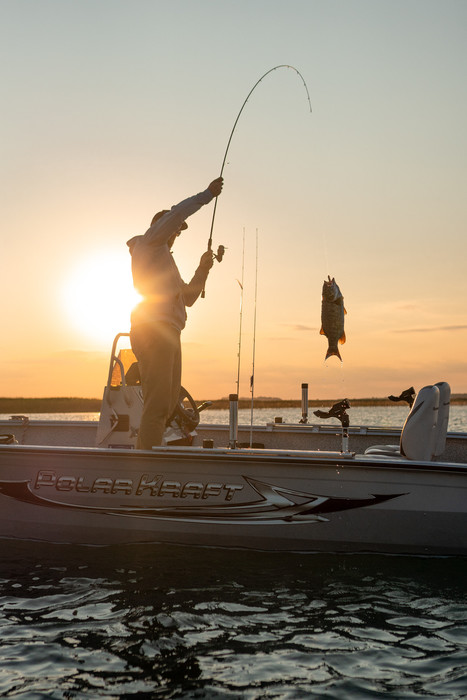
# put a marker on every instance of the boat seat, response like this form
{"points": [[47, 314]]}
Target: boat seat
{"points": [[440, 431], [443, 418], [132, 376], [419, 435]]}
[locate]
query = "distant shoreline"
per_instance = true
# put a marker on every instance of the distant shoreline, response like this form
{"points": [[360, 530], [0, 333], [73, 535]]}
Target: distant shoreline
{"points": [[21, 405]]}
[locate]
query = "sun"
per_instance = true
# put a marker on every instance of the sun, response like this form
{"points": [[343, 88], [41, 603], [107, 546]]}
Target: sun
{"points": [[98, 296]]}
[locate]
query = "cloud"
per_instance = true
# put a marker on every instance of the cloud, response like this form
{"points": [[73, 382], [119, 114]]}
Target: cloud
{"points": [[407, 306], [300, 327], [60, 357], [433, 329]]}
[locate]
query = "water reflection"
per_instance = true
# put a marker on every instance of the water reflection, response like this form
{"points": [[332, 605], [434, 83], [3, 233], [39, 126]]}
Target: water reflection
{"points": [[172, 622]]}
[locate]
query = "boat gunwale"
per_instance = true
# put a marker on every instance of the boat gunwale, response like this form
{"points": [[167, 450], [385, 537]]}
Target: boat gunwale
{"points": [[333, 429], [251, 456]]}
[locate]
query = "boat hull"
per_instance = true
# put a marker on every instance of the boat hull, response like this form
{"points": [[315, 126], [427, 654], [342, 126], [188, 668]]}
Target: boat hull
{"points": [[270, 500]]}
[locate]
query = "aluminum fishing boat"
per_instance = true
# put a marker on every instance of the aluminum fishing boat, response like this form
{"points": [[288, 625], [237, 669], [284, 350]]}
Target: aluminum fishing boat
{"points": [[300, 487]]}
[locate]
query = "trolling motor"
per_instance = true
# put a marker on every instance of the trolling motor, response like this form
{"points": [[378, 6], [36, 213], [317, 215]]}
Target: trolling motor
{"points": [[408, 396], [338, 410]]}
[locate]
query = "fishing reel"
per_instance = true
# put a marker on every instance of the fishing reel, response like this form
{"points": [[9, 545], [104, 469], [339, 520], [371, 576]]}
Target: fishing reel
{"points": [[220, 253], [216, 256]]}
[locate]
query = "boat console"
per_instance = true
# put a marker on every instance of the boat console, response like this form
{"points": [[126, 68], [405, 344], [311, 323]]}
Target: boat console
{"points": [[122, 406]]}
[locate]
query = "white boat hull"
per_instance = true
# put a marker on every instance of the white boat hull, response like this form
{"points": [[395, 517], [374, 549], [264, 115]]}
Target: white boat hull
{"points": [[273, 500]]}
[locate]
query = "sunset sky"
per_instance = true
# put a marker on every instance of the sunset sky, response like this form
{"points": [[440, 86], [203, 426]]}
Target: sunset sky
{"points": [[115, 109]]}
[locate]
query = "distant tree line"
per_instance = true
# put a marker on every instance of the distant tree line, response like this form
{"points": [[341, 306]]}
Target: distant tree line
{"points": [[12, 406]]}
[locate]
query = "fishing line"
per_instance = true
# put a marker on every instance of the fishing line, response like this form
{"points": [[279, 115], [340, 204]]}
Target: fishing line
{"points": [[283, 65], [325, 251], [252, 379], [241, 315]]}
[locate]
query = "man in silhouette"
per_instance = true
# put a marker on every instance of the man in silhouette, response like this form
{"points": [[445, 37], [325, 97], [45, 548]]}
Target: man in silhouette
{"points": [[157, 322]]}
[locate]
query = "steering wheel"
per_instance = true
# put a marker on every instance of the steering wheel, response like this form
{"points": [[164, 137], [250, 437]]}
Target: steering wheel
{"points": [[186, 412]]}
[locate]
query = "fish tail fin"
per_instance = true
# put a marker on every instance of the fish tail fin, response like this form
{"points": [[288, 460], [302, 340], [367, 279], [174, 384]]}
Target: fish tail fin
{"points": [[333, 351]]}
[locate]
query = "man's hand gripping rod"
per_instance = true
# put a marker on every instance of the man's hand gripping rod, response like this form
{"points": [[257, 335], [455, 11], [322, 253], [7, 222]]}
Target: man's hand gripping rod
{"points": [[221, 249]]}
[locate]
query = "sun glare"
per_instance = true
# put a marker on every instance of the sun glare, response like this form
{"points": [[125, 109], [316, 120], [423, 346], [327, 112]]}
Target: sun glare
{"points": [[98, 296]]}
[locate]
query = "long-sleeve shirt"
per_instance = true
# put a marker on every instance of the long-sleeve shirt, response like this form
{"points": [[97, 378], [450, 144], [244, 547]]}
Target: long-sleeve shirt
{"points": [[155, 274]]}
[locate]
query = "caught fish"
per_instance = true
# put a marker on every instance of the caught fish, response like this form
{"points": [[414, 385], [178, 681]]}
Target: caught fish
{"points": [[332, 317]]}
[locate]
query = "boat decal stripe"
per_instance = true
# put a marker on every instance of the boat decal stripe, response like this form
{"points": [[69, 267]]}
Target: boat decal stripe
{"points": [[277, 504]]}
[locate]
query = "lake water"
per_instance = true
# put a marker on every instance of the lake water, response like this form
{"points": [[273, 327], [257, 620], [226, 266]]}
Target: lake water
{"points": [[173, 622], [387, 416]]}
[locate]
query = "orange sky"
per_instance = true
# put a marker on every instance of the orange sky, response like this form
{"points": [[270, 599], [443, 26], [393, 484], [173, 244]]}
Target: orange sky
{"points": [[370, 188]]}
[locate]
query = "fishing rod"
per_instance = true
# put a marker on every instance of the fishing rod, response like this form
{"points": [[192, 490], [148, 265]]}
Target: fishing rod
{"points": [[282, 65], [252, 379], [241, 315]]}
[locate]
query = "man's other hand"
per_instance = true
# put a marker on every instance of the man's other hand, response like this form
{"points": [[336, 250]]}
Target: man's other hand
{"points": [[207, 260], [216, 186]]}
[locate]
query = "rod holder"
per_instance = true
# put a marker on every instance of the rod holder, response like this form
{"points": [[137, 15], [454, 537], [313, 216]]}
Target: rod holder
{"points": [[339, 411], [345, 440], [233, 421], [304, 418]]}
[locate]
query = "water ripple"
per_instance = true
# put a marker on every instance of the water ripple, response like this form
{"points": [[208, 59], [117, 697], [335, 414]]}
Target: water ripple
{"points": [[148, 622]]}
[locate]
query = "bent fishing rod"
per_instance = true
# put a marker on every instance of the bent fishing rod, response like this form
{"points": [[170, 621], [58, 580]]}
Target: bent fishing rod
{"points": [[221, 249]]}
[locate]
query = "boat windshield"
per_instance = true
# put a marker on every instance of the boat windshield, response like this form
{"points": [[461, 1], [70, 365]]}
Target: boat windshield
{"points": [[126, 358]]}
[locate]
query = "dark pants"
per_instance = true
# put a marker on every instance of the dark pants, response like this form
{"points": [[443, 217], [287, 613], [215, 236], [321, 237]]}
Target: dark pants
{"points": [[157, 349]]}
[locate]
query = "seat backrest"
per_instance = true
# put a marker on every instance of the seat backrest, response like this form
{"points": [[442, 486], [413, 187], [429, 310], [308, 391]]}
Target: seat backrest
{"points": [[443, 418], [419, 431], [120, 416]]}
